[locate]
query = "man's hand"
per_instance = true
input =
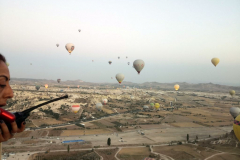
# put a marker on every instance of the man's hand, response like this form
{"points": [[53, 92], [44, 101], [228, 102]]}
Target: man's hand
{"points": [[5, 134]]}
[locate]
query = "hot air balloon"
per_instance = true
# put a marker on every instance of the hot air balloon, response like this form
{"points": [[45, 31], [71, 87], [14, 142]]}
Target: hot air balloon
{"points": [[138, 65], [37, 87], [215, 61], [118, 57], [99, 106], [152, 105], [7, 64], [79, 30], [75, 108], [234, 111], [126, 57], [92, 60], [78, 86], [120, 77], [232, 92], [157, 105], [111, 77], [46, 86], [176, 87], [104, 101], [57, 44], [110, 62], [58, 80], [30, 63], [128, 63], [236, 127], [69, 47]]}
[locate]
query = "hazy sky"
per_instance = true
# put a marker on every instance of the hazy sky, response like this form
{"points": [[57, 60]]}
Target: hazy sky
{"points": [[176, 38]]}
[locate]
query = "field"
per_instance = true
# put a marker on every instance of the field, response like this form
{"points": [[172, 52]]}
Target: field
{"points": [[87, 132], [184, 152], [108, 154], [134, 153]]}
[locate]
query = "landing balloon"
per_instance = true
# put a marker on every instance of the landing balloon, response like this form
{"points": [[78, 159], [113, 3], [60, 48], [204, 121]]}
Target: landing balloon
{"points": [[99, 106], [157, 105], [69, 47], [104, 101], [138, 65], [75, 108], [120, 77], [215, 61]]}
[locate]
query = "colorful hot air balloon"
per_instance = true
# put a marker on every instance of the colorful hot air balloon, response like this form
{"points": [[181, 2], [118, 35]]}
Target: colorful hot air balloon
{"points": [[37, 87], [99, 106], [46, 86], [236, 127], [157, 105], [152, 105], [138, 65], [215, 61], [57, 44], [176, 87], [234, 111], [58, 80], [69, 47], [232, 92], [120, 77], [75, 108], [78, 86], [104, 101], [128, 63], [110, 62], [79, 30]]}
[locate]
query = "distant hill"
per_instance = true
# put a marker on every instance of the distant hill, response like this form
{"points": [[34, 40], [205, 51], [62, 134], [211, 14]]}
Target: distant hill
{"points": [[204, 87]]}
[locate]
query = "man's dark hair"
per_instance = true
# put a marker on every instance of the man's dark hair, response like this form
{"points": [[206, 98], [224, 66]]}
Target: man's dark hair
{"points": [[2, 58]]}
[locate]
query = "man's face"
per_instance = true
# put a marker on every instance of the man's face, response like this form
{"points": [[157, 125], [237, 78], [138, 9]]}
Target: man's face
{"points": [[6, 91]]}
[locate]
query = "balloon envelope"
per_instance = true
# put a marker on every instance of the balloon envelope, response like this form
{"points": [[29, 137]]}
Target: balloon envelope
{"points": [[57, 45], [37, 87], [234, 111], [138, 65], [110, 62], [104, 101], [120, 77], [69, 47], [99, 106], [232, 92], [75, 108], [46, 85], [128, 63], [236, 127], [215, 61], [157, 105], [176, 87], [79, 30]]}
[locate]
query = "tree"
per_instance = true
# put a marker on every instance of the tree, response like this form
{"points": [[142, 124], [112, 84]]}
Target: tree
{"points": [[187, 137], [68, 149], [109, 141]]}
